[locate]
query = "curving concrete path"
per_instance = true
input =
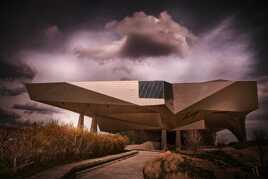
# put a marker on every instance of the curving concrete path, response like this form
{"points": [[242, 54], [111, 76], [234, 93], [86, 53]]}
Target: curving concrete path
{"points": [[130, 168]]}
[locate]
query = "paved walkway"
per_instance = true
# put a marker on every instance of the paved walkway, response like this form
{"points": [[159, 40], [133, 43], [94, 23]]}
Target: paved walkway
{"points": [[69, 169], [130, 168]]}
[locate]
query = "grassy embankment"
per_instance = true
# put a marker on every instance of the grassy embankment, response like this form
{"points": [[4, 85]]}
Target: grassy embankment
{"points": [[24, 151]]}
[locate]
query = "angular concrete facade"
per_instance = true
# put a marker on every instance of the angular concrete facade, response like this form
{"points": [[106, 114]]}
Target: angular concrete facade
{"points": [[154, 105]]}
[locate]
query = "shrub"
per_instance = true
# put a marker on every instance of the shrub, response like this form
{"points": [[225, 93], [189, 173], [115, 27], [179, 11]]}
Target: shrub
{"points": [[175, 166]]}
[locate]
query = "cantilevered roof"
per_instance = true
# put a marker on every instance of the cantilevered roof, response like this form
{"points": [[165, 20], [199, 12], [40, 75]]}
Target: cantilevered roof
{"points": [[148, 104], [187, 94], [127, 91]]}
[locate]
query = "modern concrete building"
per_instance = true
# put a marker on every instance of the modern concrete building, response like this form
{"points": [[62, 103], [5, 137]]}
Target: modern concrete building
{"points": [[199, 108]]}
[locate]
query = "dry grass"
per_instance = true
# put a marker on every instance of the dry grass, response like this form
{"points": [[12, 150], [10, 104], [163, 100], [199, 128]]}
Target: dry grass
{"points": [[175, 166], [52, 143], [229, 163]]}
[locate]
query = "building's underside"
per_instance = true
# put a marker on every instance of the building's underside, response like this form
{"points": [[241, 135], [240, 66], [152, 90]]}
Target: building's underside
{"points": [[154, 105]]}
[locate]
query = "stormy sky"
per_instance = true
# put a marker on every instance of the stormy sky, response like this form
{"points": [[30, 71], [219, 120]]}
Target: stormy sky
{"points": [[172, 40]]}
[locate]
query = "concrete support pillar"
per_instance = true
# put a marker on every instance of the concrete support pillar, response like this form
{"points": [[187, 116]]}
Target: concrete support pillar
{"points": [[94, 125], [239, 129], [178, 140], [80, 124], [164, 139], [243, 130]]}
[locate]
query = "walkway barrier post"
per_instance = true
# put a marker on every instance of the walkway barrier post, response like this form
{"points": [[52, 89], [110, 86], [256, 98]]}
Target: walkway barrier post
{"points": [[164, 139]]}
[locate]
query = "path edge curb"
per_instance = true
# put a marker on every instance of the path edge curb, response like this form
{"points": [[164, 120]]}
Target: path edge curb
{"points": [[102, 160]]}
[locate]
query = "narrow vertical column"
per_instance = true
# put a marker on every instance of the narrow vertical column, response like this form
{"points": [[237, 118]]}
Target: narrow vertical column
{"points": [[243, 130], [239, 129], [178, 139], [94, 125], [80, 124], [164, 139]]}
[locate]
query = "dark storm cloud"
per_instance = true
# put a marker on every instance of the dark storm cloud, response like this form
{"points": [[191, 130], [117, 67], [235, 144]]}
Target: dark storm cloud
{"points": [[168, 52], [8, 117], [151, 36], [144, 35], [7, 91], [31, 108], [263, 86], [257, 120], [15, 71], [142, 46], [261, 114], [39, 26]]}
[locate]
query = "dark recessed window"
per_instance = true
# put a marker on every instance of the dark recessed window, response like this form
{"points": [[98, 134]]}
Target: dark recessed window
{"points": [[154, 89]]}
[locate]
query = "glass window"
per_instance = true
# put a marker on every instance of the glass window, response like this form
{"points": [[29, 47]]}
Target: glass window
{"points": [[155, 89]]}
